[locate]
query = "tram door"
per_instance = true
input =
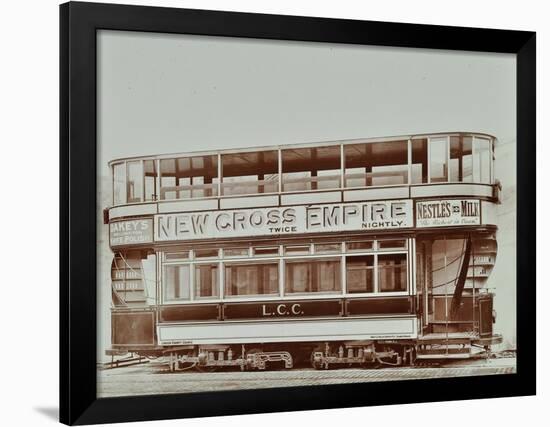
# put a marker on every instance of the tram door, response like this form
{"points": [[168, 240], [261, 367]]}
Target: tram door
{"points": [[445, 303]]}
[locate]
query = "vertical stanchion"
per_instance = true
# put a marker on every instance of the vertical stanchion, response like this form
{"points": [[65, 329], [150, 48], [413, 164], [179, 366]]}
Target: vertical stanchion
{"points": [[446, 297]]}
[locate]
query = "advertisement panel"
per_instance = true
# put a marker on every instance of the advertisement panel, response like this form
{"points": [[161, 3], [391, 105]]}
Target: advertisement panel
{"points": [[445, 213], [131, 232], [380, 215]]}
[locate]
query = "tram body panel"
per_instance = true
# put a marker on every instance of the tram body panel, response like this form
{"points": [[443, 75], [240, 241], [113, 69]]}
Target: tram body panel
{"points": [[273, 331]]}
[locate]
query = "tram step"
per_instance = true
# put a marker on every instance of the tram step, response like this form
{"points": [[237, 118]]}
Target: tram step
{"points": [[444, 352], [444, 356]]}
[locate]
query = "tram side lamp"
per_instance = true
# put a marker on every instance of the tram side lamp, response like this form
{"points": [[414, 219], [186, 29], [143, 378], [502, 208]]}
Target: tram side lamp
{"points": [[497, 190]]}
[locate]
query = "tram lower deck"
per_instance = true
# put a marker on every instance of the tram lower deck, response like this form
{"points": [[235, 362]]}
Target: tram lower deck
{"points": [[352, 299]]}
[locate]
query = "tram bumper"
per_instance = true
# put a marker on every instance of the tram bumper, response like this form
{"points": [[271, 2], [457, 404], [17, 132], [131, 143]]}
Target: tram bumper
{"points": [[488, 341]]}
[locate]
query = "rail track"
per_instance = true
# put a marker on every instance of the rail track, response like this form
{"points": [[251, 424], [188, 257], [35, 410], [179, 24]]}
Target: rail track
{"points": [[155, 378]]}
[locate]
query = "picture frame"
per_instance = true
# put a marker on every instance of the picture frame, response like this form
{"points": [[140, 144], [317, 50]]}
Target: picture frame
{"points": [[79, 23]]}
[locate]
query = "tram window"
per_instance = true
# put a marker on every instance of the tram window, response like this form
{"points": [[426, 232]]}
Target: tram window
{"points": [[167, 185], [235, 252], [327, 179], [266, 251], [150, 171], [176, 282], [392, 244], [461, 159], [482, 160], [168, 180], [438, 159], [250, 173], [206, 253], [296, 250], [376, 164], [327, 248], [467, 160], [307, 169], [392, 273], [356, 165], [360, 274], [189, 177], [135, 181], [251, 279], [206, 280], [119, 183], [174, 256], [419, 167], [360, 246], [454, 158], [310, 276], [297, 181]]}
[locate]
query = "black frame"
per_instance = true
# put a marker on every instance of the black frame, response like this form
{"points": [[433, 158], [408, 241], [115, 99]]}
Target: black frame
{"points": [[78, 25]]}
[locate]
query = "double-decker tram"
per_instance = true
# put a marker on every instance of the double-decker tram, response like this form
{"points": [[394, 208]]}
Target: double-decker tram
{"points": [[341, 253]]}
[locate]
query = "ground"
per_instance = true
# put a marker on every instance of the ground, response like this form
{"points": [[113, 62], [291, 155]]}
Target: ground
{"points": [[153, 377]]}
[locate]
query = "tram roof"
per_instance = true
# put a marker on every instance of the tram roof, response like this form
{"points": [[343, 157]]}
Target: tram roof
{"points": [[324, 143]]}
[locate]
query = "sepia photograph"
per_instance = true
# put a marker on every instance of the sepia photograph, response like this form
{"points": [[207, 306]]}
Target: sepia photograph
{"points": [[276, 213]]}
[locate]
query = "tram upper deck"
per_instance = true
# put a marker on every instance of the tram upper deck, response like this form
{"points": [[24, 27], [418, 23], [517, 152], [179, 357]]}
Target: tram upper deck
{"points": [[403, 167]]}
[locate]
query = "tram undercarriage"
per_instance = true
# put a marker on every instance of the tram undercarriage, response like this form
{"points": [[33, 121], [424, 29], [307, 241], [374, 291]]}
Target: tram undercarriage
{"points": [[253, 357], [368, 354]]}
